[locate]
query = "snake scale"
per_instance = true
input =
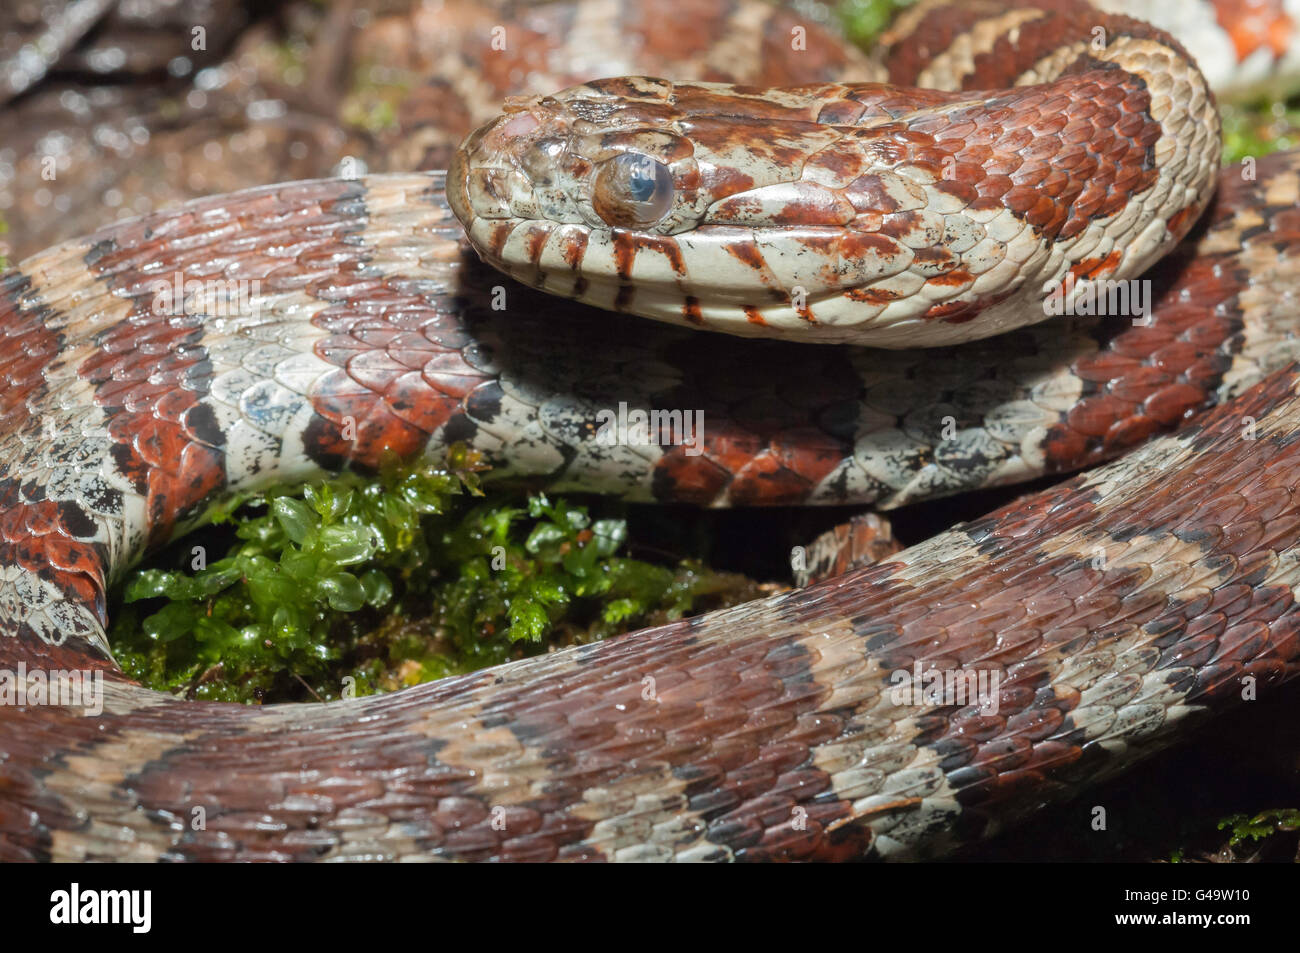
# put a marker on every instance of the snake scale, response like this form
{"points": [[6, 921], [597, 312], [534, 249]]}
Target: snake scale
{"points": [[1112, 607]]}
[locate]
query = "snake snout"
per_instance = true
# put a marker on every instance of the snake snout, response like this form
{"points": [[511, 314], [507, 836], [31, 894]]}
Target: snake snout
{"points": [[518, 167]]}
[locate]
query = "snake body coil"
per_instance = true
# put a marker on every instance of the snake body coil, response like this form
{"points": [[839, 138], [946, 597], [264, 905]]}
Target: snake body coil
{"points": [[1109, 608]]}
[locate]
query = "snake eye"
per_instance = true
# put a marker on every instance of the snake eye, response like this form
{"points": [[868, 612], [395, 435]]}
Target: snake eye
{"points": [[632, 190]]}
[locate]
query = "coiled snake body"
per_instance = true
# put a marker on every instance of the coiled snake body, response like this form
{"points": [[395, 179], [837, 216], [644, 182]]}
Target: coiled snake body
{"points": [[1110, 607]]}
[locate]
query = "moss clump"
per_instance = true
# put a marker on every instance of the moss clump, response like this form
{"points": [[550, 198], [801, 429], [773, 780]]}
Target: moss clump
{"points": [[339, 587], [1248, 829]]}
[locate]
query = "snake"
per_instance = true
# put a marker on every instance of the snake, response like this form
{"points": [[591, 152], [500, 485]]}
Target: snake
{"points": [[311, 327]]}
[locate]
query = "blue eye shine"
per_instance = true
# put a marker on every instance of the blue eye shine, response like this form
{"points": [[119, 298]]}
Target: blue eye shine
{"points": [[642, 178], [632, 190]]}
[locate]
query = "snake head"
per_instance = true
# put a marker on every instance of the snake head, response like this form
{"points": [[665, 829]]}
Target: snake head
{"points": [[553, 171], [638, 194], [567, 159], [866, 214]]}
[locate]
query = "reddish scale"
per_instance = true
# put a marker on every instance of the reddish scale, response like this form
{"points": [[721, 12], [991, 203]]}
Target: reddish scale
{"points": [[740, 208], [783, 475], [758, 446], [695, 479], [1031, 740], [748, 253], [865, 540], [535, 236], [1090, 269], [401, 375], [1016, 152], [496, 242], [1152, 378], [164, 451], [628, 244], [959, 312], [722, 181], [27, 345], [1181, 222], [150, 371], [952, 277], [878, 296], [691, 311], [751, 704], [574, 247], [32, 815], [810, 204], [853, 245], [47, 538]]}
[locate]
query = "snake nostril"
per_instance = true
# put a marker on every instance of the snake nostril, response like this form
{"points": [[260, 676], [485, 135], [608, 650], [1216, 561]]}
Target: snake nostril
{"points": [[520, 124]]}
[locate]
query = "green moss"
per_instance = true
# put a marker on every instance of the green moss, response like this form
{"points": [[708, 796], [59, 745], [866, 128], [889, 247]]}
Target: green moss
{"points": [[391, 583], [375, 95], [1252, 828], [373, 108], [1260, 128], [863, 20]]}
